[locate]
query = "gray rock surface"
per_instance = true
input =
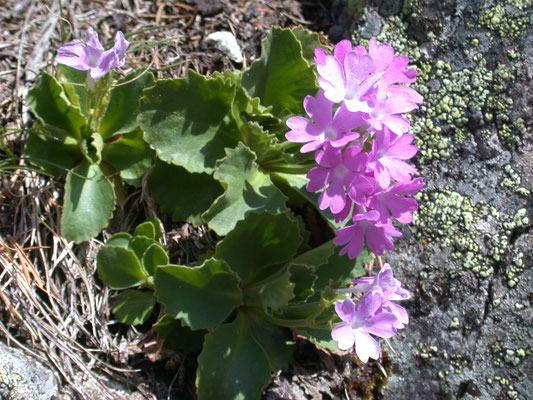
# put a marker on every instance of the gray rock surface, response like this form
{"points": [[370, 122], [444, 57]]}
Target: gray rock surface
{"points": [[468, 257], [23, 378]]}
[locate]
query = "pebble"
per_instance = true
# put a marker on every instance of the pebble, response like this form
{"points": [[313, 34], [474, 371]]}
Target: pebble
{"points": [[226, 42]]}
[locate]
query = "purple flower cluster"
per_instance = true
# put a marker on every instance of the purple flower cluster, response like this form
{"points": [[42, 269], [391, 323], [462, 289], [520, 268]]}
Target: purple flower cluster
{"points": [[91, 56], [361, 145], [375, 314]]}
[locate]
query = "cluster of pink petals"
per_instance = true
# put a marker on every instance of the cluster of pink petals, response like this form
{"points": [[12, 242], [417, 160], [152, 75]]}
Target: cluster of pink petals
{"points": [[375, 314], [358, 130], [91, 56]]}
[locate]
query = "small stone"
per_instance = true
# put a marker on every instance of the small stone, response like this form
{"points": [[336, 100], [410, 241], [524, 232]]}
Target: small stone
{"points": [[22, 377], [227, 43]]}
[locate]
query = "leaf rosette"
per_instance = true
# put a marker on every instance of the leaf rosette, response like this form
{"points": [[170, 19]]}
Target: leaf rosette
{"points": [[89, 136]]}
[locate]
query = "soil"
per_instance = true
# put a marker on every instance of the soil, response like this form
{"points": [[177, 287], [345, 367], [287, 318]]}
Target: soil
{"points": [[62, 286]]}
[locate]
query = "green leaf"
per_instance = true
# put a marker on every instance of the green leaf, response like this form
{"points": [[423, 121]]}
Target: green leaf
{"points": [[178, 336], [308, 310], [281, 78], [130, 155], [247, 189], [121, 239], [139, 245], [88, 203], [232, 365], [304, 279], [277, 342], [182, 194], [272, 293], [320, 337], [309, 42], [317, 256], [228, 75], [201, 297], [145, 229], [188, 121], [74, 83], [91, 147], [58, 116], [294, 186], [134, 306], [52, 155], [151, 228], [122, 109], [153, 257], [265, 145], [119, 268], [260, 240], [340, 270], [157, 226]]}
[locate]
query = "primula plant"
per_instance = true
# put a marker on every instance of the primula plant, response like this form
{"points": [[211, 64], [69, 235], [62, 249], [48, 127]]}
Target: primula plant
{"points": [[234, 151], [87, 129], [361, 145]]}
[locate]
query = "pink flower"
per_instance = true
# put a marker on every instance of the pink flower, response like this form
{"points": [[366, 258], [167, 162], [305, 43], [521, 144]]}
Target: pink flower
{"points": [[347, 80], [386, 159], [92, 57], [389, 202], [340, 175], [325, 129], [384, 284], [393, 67], [359, 322], [390, 289], [367, 228], [388, 103]]}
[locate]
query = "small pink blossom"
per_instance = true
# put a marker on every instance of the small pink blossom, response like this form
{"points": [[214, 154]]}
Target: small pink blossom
{"points": [[325, 129], [91, 56], [394, 67], [348, 81], [390, 203], [341, 176], [366, 229], [387, 104], [387, 157], [390, 289], [359, 322]]}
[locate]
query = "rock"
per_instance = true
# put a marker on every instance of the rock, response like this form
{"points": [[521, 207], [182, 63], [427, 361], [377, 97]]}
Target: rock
{"points": [[92, 390], [467, 257], [24, 378], [226, 42]]}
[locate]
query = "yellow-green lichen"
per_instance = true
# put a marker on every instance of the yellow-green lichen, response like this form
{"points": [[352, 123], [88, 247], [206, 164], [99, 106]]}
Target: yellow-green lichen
{"points": [[513, 182], [453, 96], [498, 20], [454, 323], [448, 219]]}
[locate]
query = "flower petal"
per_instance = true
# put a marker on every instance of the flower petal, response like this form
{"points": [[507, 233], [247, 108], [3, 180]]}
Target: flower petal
{"points": [[366, 346], [344, 336]]}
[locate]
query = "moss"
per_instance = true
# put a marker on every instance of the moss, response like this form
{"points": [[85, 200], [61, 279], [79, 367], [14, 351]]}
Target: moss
{"points": [[369, 379]]}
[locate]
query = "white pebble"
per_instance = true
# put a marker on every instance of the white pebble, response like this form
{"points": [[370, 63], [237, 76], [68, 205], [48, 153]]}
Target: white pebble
{"points": [[226, 42]]}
